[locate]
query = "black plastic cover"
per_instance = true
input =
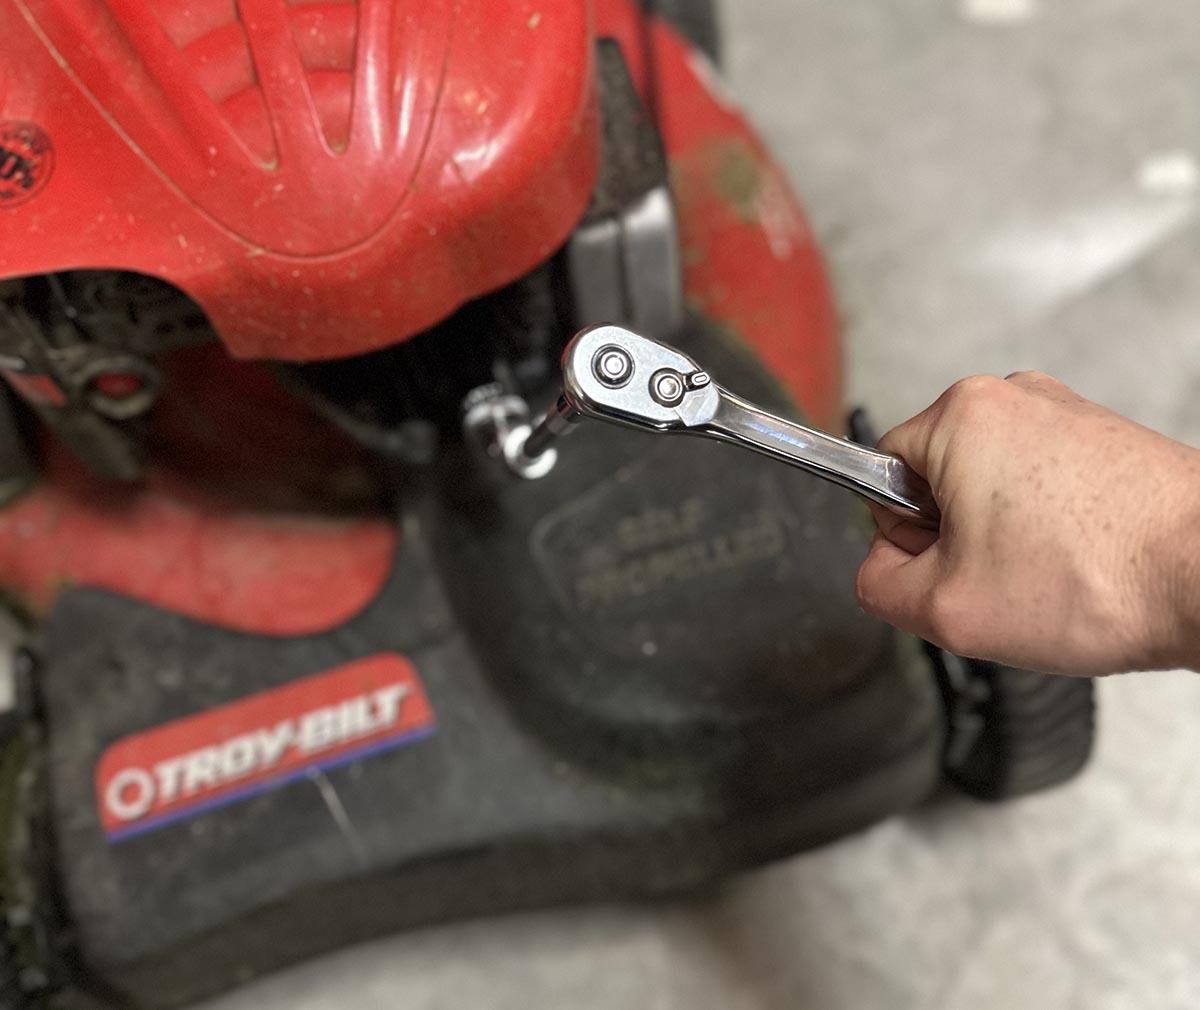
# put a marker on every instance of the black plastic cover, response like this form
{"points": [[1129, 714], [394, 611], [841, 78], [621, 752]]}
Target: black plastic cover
{"points": [[647, 670]]}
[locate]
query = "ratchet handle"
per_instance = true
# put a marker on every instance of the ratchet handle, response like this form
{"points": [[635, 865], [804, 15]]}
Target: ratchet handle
{"points": [[619, 376], [878, 476]]}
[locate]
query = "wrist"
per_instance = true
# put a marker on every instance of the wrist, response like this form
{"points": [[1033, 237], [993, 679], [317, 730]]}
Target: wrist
{"points": [[1174, 564]]}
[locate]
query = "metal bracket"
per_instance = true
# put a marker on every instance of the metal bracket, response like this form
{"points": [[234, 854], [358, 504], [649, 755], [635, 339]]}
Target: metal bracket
{"points": [[623, 261]]}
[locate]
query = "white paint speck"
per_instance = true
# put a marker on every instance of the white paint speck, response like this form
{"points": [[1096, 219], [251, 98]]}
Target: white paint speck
{"points": [[649, 649], [337, 811], [998, 12], [1170, 174]]}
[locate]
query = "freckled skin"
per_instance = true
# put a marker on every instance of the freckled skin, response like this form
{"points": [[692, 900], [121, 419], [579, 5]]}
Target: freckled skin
{"points": [[1070, 538]]}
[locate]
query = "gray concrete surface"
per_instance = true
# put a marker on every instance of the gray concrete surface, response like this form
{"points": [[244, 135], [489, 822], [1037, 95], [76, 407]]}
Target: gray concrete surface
{"points": [[1000, 184]]}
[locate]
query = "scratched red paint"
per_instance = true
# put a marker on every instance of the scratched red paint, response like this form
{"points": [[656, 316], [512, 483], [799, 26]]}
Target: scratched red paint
{"points": [[233, 524], [750, 260]]}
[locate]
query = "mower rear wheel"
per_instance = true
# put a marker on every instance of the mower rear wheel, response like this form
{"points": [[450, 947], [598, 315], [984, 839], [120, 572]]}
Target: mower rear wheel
{"points": [[696, 19], [1013, 732]]}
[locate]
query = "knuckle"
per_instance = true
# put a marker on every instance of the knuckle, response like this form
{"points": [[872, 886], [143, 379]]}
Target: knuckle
{"points": [[893, 439], [974, 388], [1043, 384], [975, 396], [1030, 376]]}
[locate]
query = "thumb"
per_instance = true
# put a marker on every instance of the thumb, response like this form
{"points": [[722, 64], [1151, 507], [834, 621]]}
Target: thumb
{"points": [[896, 586]]}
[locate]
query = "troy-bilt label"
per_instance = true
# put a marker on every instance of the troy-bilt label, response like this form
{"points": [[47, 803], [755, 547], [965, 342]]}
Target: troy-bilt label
{"points": [[26, 162], [258, 743]]}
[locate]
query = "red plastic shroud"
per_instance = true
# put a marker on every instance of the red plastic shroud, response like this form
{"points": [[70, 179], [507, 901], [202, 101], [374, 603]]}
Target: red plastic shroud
{"points": [[325, 177], [185, 544]]}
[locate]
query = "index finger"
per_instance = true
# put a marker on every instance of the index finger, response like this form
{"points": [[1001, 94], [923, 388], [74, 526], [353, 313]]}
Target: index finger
{"points": [[906, 535]]}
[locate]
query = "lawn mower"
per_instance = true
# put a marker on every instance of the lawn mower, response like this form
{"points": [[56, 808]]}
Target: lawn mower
{"points": [[300, 659]]}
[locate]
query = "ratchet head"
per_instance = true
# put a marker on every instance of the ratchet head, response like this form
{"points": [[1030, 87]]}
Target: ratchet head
{"points": [[614, 374]]}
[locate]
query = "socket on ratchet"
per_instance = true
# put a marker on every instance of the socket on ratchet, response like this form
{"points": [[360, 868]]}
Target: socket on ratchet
{"points": [[616, 375]]}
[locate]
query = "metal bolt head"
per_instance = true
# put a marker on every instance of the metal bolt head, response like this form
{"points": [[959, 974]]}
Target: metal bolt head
{"points": [[667, 387], [529, 467], [613, 366]]}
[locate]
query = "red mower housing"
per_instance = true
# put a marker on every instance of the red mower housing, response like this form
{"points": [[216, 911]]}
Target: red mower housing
{"points": [[323, 178], [630, 678]]}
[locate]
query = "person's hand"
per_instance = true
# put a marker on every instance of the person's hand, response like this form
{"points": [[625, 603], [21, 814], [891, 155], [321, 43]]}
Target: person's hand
{"points": [[1070, 536]]}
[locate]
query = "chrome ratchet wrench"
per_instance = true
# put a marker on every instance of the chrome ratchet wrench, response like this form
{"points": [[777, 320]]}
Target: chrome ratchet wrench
{"points": [[616, 375]]}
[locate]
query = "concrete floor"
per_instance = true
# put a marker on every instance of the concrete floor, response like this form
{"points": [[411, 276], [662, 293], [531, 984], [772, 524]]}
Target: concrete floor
{"points": [[1000, 184]]}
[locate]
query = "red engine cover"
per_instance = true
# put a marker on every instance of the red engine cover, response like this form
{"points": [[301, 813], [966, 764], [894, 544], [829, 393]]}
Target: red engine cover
{"points": [[324, 177]]}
